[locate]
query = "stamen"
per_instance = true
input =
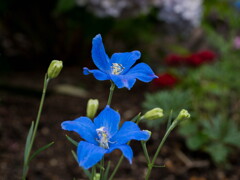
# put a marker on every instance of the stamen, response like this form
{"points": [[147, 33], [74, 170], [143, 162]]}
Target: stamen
{"points": [[103, 137], [117, 68]]}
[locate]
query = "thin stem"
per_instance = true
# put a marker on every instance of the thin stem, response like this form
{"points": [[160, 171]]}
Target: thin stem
{"points": [[25, 166], [121, 158], [46, 80], [102, 169], [93, 172], [143, 143], [107, 171], [111, 93], [116, 168], [151, 165]]}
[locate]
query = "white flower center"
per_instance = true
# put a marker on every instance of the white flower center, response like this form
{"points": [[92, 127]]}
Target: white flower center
{"points": [[117, 68], [103, 137]]}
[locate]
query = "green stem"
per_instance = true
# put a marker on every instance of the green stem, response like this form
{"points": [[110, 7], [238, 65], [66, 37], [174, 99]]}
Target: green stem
{"points": [[116, 168], [121, 158], [111, 93], [143, 143], [93, 172], [102, 169], [107, 171], [26, 163], [150, 165]]}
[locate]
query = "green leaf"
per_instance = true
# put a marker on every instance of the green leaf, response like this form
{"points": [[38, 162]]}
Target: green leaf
{"points": [[40, 150], [100, 167], [107, 171], [197, 141], [189, 128], [74, 155], [232, 136], [136, 118], [29, 138], [233, 140], [72, 141], [216, 129], [218, 152]]}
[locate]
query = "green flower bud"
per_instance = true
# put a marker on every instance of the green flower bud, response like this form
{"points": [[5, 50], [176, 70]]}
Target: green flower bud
{"points": [[155, 113], [97, 176], [184, 114], [54, 69], [92, 107]]}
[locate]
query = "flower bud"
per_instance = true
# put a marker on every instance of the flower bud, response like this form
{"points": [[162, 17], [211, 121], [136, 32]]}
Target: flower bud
{"points": [[184, 114], [153, 114], [97, 176], [54, 69], [92, 107]]}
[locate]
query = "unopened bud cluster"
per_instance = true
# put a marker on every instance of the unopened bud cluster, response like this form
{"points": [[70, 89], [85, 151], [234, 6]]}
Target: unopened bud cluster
{"points": [[92, 107], [54, 69], [97, 176], [184, 114], [155, 113]]}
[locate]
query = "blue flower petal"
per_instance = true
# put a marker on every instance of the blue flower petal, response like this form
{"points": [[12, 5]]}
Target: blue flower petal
{"points": [[237, 4], [89, 154], [99, 75], [126, 150], [142, 72], [99, 56], [129, 131], [109, 119], [122, 81], [126, 59], [84, 127]]}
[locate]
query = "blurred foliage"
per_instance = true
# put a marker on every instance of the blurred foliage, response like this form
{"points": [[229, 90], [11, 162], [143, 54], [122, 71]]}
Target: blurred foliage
{"points": [[223, 11], [217, 136], [64, 6], [214, 126], [174, 101]]}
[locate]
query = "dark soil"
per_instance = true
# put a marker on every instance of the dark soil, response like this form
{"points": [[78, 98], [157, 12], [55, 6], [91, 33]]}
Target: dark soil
{"points": [[20, 94]]}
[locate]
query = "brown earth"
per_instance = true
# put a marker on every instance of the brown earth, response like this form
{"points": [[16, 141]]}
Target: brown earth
{"points": [[20, 93]]}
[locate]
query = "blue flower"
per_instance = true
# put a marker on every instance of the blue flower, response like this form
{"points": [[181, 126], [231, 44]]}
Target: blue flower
{"points": [[237, 5], [118, 67], [103, 136]]}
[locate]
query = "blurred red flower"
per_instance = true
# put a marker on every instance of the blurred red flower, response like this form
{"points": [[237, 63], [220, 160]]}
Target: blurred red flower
{"points": [[164, 80], [195, 59], [174, 60], [207, 55]]}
